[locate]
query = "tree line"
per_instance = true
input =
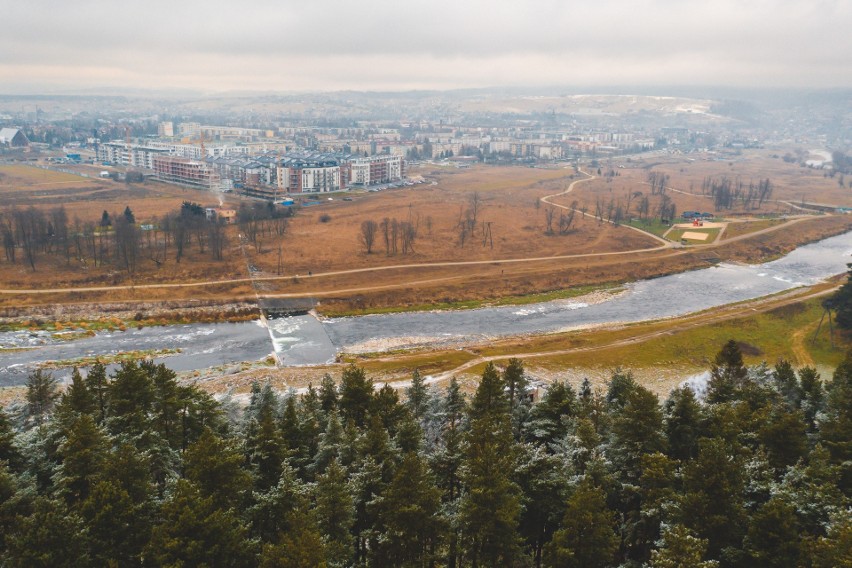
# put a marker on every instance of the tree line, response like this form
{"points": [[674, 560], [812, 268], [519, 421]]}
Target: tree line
{"points": [[32, 235], [132, 468], [726, 193]]}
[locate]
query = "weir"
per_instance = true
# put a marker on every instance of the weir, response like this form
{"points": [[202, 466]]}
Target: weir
{"points": [[280, 307]]}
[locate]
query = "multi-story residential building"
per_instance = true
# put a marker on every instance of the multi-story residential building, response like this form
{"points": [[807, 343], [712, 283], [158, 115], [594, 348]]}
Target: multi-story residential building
{"points": [[189, 129], [320, 174], [141, 156], [131, 155], [377, 169], [166, 129], [185, 171]]}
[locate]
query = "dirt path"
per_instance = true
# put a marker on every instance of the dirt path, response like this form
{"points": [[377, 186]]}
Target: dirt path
{"points": [[800, 352], [664, 243], [680, 249]]}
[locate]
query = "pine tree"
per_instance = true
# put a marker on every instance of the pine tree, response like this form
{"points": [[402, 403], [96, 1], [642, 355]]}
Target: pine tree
{"points": [[41, 396], [83, 455], [515, 380], [328, 394], [9, 452], [407, 514], [193, 532], [169, 405], [290, 431], [15, 503], [265, 448], [712, 503], [117, 526], [356, 395], [727, 375], [782, 433], [367, 484], [98, 385], [386, 406], [841, 302], [543, 479], [330, 444], [586, 537], [657, 497], [813, 488], [772, 540], [335, 514], [834, 549], [784, 377], [813, 396], [490, 505], [299, 547], [637, 430], [447, 458], [274, 512], [417, 395], [836, 425], [214, 465], [312, 422], [621, 384], [683, 417], [551, 415], [131, 401], [680, 548], [51, 536], [76, 399]]}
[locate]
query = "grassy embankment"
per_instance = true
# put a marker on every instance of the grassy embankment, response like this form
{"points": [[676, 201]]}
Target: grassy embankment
{"points": [[653, 226], [661, 353]]}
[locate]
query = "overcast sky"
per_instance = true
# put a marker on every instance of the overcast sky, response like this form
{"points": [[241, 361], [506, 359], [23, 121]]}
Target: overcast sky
{"points": [[281, 45]]}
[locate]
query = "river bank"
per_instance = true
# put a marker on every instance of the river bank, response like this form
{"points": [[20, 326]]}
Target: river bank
{"points": [[300, 341]]}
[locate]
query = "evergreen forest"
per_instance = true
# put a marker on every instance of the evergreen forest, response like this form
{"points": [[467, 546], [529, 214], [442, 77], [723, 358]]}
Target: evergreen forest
{"points": [[130, 467]]}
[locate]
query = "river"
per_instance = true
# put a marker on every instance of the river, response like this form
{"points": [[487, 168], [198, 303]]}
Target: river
{"points": [[305, 340]]}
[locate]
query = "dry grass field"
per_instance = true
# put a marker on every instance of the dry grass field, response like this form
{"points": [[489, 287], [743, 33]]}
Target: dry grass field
{"points": [[791, 182], [87, 198], [321, 253], [508, 202]]}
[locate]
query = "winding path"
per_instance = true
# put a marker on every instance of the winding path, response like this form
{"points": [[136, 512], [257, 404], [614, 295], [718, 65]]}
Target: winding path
{"points": [[664, 245]]}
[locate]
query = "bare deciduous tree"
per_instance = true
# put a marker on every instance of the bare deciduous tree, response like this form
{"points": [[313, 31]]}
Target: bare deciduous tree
{"points": [[548, 219], [368, 234]]}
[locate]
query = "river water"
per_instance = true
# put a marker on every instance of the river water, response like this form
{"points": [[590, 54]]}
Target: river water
{"points": [[304, 340]]}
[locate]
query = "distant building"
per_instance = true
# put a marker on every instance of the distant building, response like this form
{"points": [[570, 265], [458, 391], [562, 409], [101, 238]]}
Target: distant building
{"points": [[228, 216], [189, 129], [310, 175], [132, 155], [13, 137], [166, 130], [185, 171], [376, 169]]}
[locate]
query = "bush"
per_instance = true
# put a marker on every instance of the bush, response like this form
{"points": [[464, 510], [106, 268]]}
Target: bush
{"points": [[324, 218]]}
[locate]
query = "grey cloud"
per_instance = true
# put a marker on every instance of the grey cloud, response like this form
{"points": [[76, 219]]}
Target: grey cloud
{"points": [[631, 38]]}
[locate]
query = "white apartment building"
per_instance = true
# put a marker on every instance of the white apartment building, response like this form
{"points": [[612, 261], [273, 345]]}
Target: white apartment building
{"points": [[376, 169]]}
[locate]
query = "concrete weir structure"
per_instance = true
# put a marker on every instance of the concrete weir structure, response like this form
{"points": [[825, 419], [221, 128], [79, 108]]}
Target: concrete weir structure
{"points": [[277, 307]]}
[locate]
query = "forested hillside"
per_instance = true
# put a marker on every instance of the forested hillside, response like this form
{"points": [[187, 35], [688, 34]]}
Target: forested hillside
{"points": [[131, 468]]}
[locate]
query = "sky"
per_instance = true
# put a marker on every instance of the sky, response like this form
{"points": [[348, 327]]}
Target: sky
{"points": [[53, 46]]}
